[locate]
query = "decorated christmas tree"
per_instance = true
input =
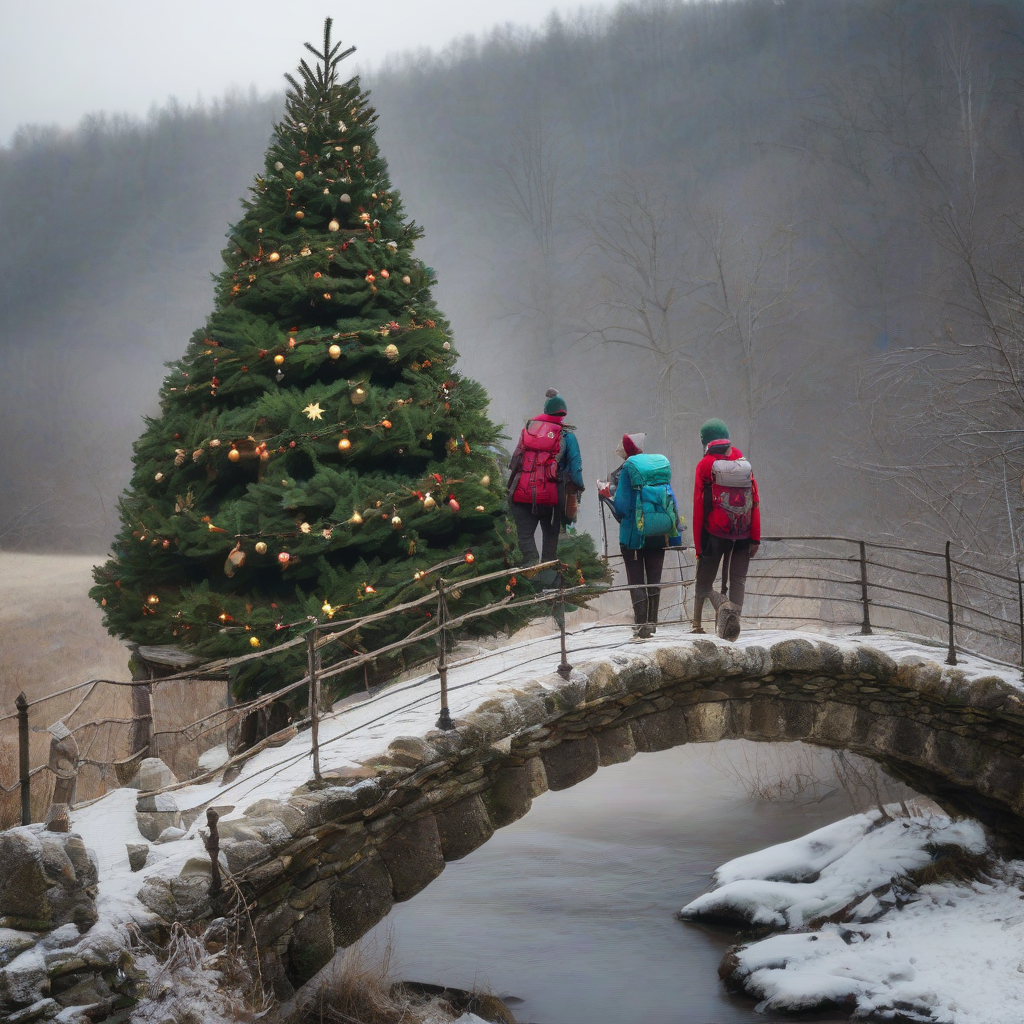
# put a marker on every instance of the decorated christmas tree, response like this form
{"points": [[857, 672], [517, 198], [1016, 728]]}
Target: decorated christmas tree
{"points": [[316, 451]]}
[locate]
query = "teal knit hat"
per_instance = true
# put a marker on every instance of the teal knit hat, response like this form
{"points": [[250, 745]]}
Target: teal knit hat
{"points": [[555, 404], [713, 430]]}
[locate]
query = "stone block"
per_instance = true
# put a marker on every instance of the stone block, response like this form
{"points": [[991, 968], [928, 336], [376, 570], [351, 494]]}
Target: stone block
{"points": [[177, 899], [708, 723], [833, 724], [571, 761], [170, 834], [24, 980], [154, 774], [463, 827], [44, 1009], [361, 897], [957, 758], [509, 797], [412, 856], [88, 991], [875, 664], [288, 816], [495, 719], [152, 824], [13, 942], [311, 947], [615, 745], [660, 730], [137, 854], [796, 655], [244, 853]]}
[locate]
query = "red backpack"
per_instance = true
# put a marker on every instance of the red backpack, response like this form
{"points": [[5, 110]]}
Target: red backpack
{"points": [[538, 475]]}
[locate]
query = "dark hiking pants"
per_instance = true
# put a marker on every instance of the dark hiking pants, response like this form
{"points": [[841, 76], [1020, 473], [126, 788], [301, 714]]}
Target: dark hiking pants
{"points": [[644, 566], [713, 550], [527, 520]]}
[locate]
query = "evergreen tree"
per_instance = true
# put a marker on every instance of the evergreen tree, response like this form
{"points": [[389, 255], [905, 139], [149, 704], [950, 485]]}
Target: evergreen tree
{"points": [[316, 450]]}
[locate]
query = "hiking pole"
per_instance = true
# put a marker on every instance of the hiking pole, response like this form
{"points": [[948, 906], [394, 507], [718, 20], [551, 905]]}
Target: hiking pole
{"points": [[604, 526]]}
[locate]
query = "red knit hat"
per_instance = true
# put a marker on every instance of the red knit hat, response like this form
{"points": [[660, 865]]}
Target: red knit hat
{"points": [[629, 446]]}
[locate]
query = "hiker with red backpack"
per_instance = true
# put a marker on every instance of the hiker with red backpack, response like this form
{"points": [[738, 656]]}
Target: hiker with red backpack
{"points": [[545, 480], [726, 525], [649, 523]]}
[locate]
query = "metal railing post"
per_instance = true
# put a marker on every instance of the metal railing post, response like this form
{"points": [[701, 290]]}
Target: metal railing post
{"points": [[314, 698], [1020, 607], [564, 668], [25, 778], [865, 625], [212, 844], [444, 720], [951, 654]]}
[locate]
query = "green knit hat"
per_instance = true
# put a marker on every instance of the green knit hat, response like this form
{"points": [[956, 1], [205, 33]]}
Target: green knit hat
{"points": [[555, 404], [713, 430]]}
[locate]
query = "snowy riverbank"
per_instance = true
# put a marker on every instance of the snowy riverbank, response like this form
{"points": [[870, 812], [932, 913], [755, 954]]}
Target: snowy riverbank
{"points": [[912, 919]]}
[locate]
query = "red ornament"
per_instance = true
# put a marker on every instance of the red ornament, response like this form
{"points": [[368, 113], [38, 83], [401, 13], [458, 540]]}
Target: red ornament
{"points": [[284, 558], [453, 504], [470, 558]]}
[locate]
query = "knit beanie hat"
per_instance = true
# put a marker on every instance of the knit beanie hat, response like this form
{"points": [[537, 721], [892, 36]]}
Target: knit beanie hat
{"points": [[713, 430], [555, 404], [633, 444]]}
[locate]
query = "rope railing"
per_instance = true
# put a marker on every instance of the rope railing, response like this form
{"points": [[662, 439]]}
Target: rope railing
{"points": [[877, 568]]}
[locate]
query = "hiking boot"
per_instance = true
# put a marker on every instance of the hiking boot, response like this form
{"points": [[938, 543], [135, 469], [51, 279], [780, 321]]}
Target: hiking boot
{"points": [[727, 622]]}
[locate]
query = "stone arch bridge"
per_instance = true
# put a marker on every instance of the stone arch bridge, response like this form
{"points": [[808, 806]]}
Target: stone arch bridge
{"points": [[326, 862]]}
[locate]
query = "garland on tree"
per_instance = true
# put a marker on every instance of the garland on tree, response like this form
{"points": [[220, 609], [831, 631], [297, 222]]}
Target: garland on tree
{"points": [[316, 450]]}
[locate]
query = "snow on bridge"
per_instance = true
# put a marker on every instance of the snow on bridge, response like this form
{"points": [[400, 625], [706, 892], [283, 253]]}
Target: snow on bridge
{"points": [[323, 863]]}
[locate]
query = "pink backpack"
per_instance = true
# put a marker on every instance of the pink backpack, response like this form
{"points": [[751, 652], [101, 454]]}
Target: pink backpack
{"points": [[732, 498], [538, 477]]}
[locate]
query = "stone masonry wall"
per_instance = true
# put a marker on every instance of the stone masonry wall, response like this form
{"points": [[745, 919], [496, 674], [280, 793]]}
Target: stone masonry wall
{"points": [[328, 864]]}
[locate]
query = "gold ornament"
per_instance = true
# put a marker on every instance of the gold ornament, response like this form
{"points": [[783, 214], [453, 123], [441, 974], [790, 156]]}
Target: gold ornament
{"points": [[299, 214], [428, 501], [480, 508], [313, 411], [261, 547], [278, 166], [334, 351], [215, 443], [299, 175], [152, 599], [391, 351], [446, 346], [485, 481], [305, 527], [358, 396], [344, 444], [396, 522], [158, 477], [254, 641], [334, 226], [234, 455], [278, 359], [344, 198], [327, 609], [355, 519], [274, 257], [291, 343], [406, 279]]}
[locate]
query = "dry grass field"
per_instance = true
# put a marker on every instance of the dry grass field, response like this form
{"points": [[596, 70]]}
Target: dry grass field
{"points": [[51, 638]]}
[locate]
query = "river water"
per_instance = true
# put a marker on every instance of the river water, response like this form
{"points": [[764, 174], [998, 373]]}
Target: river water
{"points": [[571, 910]]}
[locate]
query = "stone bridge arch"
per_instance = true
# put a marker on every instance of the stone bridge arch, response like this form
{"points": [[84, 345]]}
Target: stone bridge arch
{"points": [[328, 864]]}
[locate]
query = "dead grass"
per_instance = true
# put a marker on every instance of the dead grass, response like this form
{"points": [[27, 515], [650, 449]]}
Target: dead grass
{"points": [[54, 638]]}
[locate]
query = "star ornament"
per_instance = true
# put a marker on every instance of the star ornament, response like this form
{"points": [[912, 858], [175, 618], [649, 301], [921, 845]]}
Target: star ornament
{"points": [[314, 412]]}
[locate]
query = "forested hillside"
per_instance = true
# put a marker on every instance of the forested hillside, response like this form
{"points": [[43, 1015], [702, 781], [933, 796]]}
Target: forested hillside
{"points": [[803, 216]]}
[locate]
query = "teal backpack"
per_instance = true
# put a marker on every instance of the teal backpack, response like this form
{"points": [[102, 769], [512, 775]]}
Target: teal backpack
{"points": [[654, 512]]}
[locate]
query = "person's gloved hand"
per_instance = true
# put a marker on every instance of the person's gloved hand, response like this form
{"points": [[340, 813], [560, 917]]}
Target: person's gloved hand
{"points": [[604, 489]]}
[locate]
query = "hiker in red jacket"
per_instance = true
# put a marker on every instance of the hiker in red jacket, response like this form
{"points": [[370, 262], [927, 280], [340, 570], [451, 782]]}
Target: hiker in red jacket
{"points": [[726, 518]]}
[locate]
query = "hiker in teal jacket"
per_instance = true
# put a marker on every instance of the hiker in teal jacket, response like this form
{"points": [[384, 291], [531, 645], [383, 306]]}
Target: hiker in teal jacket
{"points": [[649, 522]]}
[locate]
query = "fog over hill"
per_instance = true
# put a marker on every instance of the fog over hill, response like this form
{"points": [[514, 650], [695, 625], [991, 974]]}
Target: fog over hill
{"points": [[803, 216]]}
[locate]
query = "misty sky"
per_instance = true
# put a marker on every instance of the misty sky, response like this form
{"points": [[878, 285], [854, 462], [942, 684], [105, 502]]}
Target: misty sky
{"points": [[67, 58]]}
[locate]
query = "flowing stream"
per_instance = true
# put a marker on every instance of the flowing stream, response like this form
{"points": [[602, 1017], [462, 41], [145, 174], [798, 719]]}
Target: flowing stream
{"points": [[571, 910]]}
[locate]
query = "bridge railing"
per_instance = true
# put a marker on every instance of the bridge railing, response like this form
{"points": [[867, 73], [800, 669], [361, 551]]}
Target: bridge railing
{"points": [[795, 581]]}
